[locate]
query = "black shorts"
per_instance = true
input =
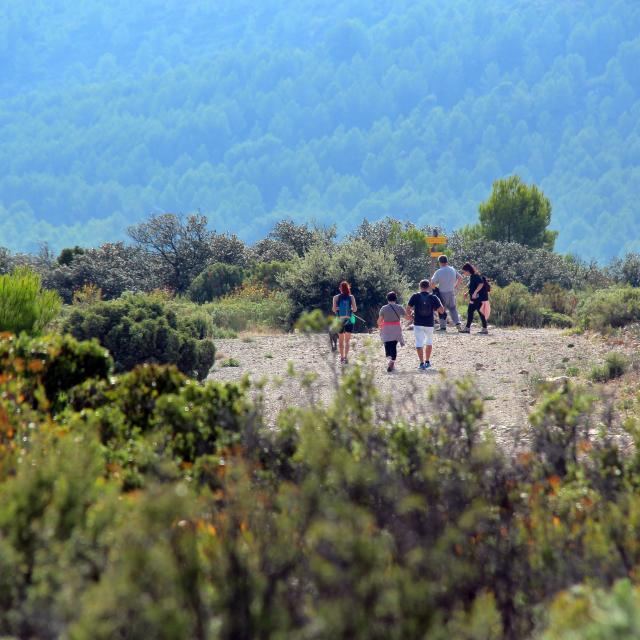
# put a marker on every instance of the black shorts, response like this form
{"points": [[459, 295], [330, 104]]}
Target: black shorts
{"points": [[347, 326]]}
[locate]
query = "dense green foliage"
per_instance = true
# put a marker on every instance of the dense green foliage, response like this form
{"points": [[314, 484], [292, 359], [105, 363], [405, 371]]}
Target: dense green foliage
{"points": [[214, 281], [24, 304], [145, 505], [144, 328], [248, 111], [515, 305], [313, 280], [506, 262], [585, 613], [52, 364], [253, 308], [609, 308], [615, 365]]}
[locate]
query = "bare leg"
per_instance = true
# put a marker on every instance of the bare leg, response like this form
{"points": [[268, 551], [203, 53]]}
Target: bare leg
{"points": [[347, 344], [427, 352], [420, 354], [341, 341]]}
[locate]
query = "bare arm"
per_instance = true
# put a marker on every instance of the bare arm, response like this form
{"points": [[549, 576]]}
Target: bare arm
{"points": [[477, 291], [409, 313], [354, 306], [458, 281], [334, 306]]}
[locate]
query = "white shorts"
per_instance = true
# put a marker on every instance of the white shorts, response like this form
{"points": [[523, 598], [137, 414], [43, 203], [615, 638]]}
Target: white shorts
{"points": [[423, 336]]}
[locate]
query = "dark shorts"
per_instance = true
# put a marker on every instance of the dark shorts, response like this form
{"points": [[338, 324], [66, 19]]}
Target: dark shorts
{"points": [[347, 326]]}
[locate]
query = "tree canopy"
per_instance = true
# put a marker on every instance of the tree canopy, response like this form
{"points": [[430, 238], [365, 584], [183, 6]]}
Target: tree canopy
{"points": [[516, 212], [252, 112]]}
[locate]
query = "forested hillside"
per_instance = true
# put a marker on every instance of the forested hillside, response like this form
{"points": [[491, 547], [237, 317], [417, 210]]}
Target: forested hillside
{"points": [[251, 111]]}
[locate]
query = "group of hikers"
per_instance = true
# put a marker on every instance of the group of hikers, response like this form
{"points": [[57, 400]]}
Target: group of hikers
{"points": [[436, 296]]}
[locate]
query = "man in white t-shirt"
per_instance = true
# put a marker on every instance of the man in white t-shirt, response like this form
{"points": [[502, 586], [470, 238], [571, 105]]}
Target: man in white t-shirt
{"points": [[447, 279]]}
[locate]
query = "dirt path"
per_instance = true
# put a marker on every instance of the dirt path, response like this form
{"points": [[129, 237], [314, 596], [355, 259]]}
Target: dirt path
{"points": [[504, 363]]}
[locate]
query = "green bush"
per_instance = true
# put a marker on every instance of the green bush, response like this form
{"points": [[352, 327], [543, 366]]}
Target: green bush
{"points": [[558, 300], [626, 270], [268, 274], [554, 319], [312, 281], [514, 305], [609, 308], [252, 308], [615, 365], [24, 304], [585, 613], [215, 281], [140, 328], [153, 506], [507, 262], [54, 363], [230, 362]]}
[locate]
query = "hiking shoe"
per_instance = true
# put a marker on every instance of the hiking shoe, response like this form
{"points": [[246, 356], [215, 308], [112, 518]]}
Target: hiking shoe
{"points": [[390, 366], [421, 367], [464, 330], [484, 331], [441, 329], [427, 365]]}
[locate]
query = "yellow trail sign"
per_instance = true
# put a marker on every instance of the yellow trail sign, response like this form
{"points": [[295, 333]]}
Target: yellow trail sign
{"points": [[436, 239], [437, 254]]}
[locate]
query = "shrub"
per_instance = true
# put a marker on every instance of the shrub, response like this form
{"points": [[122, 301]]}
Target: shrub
{"points": [[507, 262], [587, 613], [312, 281], [558, 300], [268, 274], [215, 281], [514, 305], [609, 308], [230, 362], [157, 507], [252, 307], [55, 363], [626, 270], [554, 319], [403, 240], [24, 304], [113, 268], [615, 365], [141, 328]]}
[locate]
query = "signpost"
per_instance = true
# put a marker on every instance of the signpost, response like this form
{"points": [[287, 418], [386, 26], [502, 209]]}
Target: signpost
{"points": [[433, 241]]}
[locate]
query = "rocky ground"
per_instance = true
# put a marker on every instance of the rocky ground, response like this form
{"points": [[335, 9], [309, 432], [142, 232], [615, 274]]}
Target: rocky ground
{"points": [[506, 365]]}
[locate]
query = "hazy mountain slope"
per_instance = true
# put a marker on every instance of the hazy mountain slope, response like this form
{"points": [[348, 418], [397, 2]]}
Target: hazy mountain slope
{"points": [[253, 110]]}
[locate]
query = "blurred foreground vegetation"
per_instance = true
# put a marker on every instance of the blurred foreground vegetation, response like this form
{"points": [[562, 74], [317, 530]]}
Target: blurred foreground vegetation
{"points": [[146, 505]]}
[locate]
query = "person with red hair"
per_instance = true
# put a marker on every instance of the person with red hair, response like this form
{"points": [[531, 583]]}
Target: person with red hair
{"points": [[344, 306]]}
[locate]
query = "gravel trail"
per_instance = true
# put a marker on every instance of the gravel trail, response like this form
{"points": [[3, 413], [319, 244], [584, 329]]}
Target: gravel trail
{"points": [[504, 364]]}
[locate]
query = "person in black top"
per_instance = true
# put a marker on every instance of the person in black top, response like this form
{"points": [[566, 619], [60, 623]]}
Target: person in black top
{"points": [[420, 310], [478, 293]]}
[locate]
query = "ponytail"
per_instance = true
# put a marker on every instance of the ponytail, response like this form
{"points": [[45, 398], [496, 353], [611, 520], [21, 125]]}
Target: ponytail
{"points": [[469, 268], [345, 289]]}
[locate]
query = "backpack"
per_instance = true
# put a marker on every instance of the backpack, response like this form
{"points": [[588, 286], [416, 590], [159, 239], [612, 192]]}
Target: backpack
{"points": [[487, 285], [344, 305], [424, 306]]}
